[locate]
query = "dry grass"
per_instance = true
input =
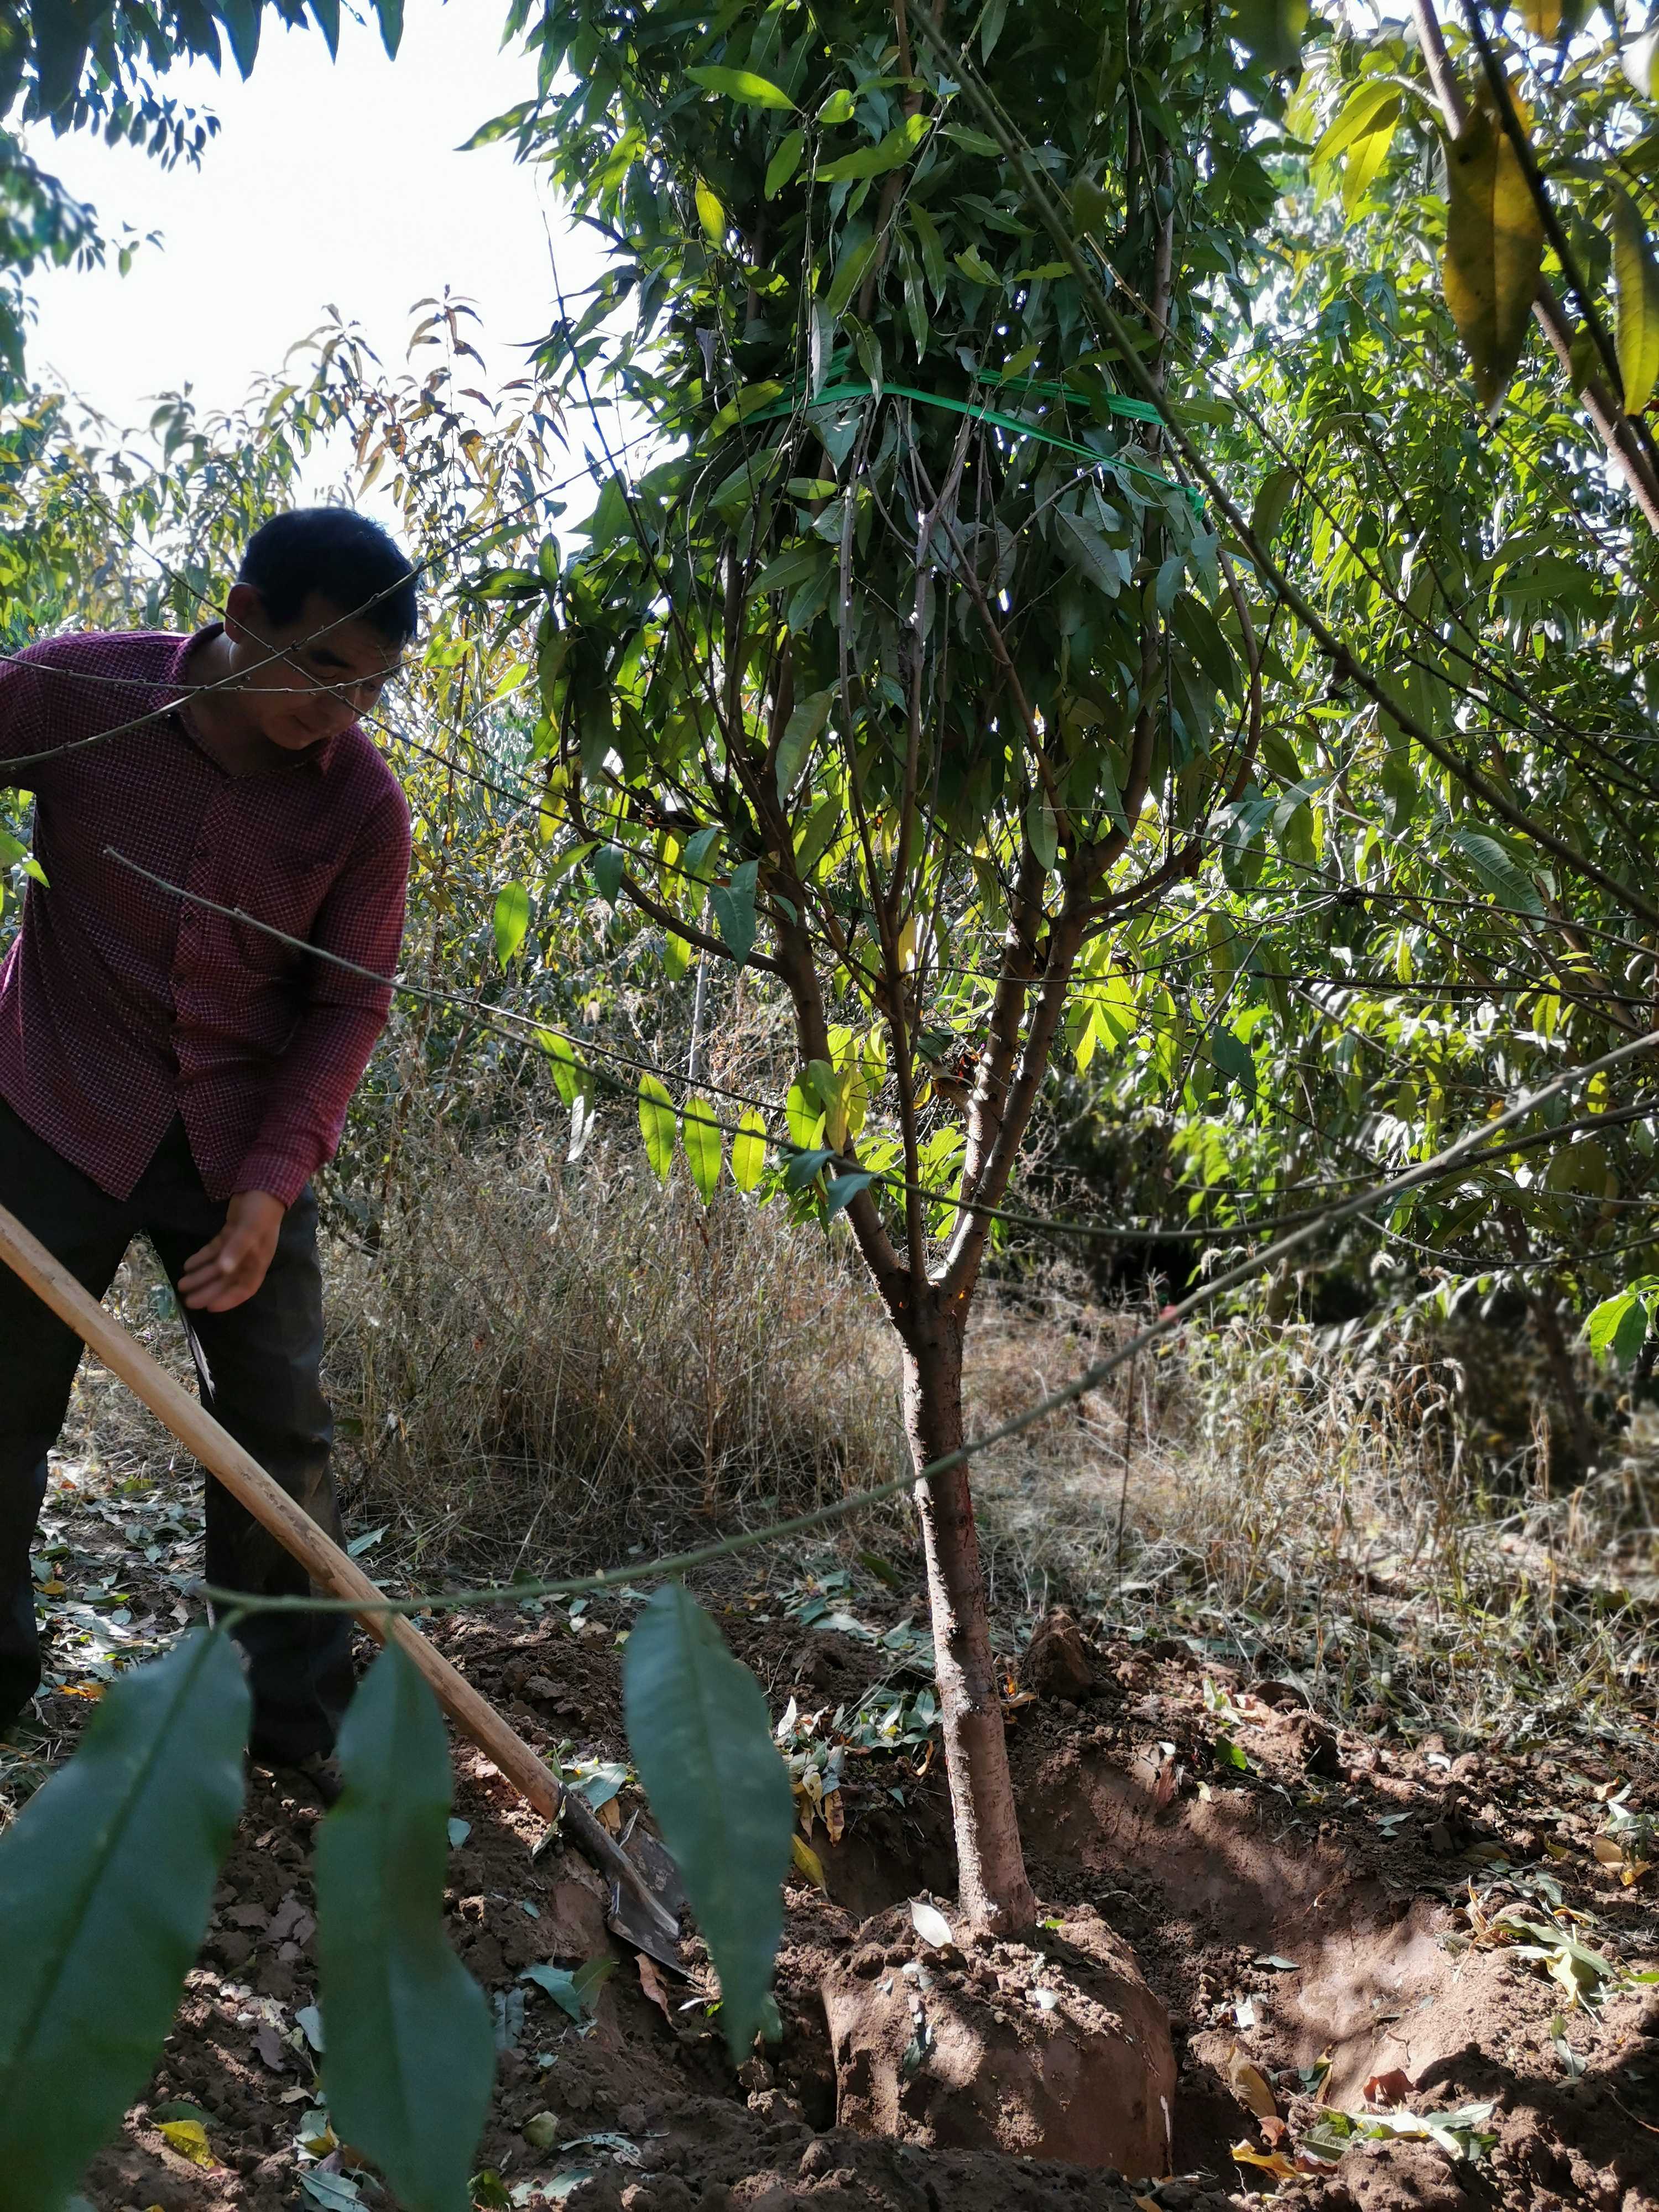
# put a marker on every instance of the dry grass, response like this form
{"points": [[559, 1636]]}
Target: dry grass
{"points": [[541, 1366], [1314, 1504]]}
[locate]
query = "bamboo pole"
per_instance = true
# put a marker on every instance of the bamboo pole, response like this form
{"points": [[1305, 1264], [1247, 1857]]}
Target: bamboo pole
{"points": [[323, 1559]]}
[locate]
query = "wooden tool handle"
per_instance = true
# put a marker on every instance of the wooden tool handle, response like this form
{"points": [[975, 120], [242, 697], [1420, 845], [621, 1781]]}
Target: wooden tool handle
{"points": [[323, 1559]]}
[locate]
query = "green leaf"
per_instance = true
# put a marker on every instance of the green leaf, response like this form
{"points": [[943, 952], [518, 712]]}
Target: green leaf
{"points": [[1636, 295], [326, 15], [700, 1132], [1366, 157], [805, 724], [576, 1994], [1271, 501], [784, 162], [411, 2048], [875, 160], [838, 108], [391, 13], [848, 271], [733, 905], [1618, 1328], [241, 19], [750, 401], [571, 1078], [803, 1114], [841, 1190], [973, 264], [606, 869], [748, 1149], [742, 84], [1358, 116], [512, 919], [107, 1877], [1507, 883], [1270, 30], [702, 1741], [1494, 250], [61, 37], [1041, 831], [657, 1125], [711, 214]]}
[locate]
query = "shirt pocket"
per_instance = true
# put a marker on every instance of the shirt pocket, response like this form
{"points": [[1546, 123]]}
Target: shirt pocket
{"points": [[286, 899]]}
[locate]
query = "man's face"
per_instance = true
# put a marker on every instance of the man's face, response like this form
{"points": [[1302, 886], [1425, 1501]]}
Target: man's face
{"points": [[304, 681]]}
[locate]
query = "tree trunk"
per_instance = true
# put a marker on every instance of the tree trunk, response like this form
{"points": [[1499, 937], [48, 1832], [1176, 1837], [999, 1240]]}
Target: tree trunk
{"points": [[992, 1885]]}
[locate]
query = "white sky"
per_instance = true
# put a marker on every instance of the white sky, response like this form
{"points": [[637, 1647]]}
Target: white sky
{"points": [[327, 182]]}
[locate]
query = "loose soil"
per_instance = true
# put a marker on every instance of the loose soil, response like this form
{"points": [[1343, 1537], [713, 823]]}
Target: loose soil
{"points": [[1315, 1907]]}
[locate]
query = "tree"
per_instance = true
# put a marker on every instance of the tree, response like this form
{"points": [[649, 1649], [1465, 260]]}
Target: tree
{"points": [[910, 658]]}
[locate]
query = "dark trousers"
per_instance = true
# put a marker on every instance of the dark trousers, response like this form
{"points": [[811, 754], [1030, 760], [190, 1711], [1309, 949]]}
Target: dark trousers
{"points": [[257, 1369]]}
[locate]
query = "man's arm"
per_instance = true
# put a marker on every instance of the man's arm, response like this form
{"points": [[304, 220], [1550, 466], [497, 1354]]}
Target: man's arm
{"points": [[361, 921]]}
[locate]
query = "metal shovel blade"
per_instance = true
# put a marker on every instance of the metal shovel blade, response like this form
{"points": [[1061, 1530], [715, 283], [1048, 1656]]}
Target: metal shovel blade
{"points": [[630, 1917]]}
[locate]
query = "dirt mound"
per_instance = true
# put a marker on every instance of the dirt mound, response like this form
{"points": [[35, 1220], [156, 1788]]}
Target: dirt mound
{"points": [[1063, 2052]]}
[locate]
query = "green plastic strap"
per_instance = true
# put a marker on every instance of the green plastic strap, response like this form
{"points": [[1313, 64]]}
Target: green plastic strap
{"points": [[1142, 410]]}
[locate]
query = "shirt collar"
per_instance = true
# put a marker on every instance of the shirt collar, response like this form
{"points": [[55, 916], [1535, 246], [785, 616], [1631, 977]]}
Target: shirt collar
{"points": [[176, 685]]}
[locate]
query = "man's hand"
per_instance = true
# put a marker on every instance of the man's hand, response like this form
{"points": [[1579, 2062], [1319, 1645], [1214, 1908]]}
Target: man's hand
{"points": [[228, 1271]]}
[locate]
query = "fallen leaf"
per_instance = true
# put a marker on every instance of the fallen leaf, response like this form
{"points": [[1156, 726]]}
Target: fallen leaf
{"points": [[1390, 2088], [1272, 2161], [1607, 1851], [655, 1987], [189, 2139], [1251, 2084], [930, 1923], [268, 2042], [806, 1860]]}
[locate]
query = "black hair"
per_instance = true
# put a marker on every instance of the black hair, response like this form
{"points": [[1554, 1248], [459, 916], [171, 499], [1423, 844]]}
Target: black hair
{"points": [[341, 556]]}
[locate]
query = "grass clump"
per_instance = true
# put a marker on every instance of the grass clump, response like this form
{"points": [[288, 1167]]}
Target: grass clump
{"points": [[539, 1367]]}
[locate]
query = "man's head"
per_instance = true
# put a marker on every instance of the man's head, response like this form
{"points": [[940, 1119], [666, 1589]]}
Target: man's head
{"points": [[318, 620]]}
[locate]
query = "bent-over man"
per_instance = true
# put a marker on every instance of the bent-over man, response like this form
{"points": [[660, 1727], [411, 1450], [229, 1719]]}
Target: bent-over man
{"points": [[170, 1071]]}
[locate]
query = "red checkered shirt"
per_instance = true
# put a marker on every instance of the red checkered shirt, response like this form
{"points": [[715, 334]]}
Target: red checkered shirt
{"points": [[121, 1005]]}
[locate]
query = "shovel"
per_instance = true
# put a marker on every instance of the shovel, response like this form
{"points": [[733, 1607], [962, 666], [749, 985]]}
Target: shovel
{"points": [[644, 1905]]}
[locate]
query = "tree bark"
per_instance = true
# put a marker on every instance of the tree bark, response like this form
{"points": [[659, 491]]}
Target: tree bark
{"points": [[991, 1880]]}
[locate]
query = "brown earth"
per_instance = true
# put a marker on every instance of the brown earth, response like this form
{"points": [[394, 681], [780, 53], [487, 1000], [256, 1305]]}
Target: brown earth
{"points": [[1316, 1919]]}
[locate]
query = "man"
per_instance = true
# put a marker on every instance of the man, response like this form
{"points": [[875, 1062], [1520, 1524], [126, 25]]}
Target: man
{"points": [[168, 1069]]}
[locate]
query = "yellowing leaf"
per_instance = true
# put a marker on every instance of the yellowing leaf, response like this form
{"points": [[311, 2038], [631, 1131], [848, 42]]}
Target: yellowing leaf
{"points": [[711, 214], [1494, 250], [700, 1134], [1250, 2085], [1272, 2161], [807, 1859], [1541, 17], [748, 1149], [1636, 296], [189, 2139], [1366, 157], [657, 1125]]}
